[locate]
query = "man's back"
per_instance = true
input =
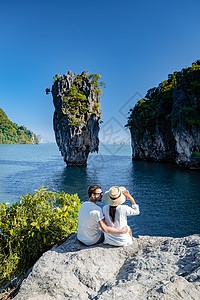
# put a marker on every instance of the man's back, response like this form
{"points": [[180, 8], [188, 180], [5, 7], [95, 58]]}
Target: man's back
{"points": [[88, 228]]}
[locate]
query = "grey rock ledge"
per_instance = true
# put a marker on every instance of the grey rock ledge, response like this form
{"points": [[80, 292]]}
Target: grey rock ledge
{"points": [[151, 268]]}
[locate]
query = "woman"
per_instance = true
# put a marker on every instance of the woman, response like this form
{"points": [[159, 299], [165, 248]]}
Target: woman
{"points": [[116, 215]]}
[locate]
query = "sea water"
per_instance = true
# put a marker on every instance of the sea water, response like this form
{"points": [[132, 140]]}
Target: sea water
{"points": [[168, 196]]}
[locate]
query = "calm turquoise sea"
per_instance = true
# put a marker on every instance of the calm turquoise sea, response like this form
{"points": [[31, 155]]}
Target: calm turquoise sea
{"points": [[169, 197]]}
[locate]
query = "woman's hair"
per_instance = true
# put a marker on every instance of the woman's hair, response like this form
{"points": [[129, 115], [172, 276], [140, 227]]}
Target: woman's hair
{"points": [[112, 212], [92, 189]]}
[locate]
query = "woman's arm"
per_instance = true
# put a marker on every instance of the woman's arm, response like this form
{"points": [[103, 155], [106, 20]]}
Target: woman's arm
{"points": [[114, 230], [134, 210], [129, 197]]}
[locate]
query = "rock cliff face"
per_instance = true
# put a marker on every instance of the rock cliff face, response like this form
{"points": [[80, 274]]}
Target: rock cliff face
{"points": [[151, 268], [77, 116], [165, 125]]}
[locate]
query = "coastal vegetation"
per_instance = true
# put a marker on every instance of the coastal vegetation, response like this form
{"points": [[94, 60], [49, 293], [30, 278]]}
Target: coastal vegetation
{"points": [[31, 226], [11, 133], [158, 102]]}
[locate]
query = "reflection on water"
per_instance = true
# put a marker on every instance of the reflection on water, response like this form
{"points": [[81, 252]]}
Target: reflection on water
{"points": [[71, 180], [169, 197]]}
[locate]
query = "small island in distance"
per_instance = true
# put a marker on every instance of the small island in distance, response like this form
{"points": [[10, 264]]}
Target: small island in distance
{"points": [[11, 133]]}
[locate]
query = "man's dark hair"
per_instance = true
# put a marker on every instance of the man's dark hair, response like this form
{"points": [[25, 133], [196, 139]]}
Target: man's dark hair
{"points": [[92, 189]]}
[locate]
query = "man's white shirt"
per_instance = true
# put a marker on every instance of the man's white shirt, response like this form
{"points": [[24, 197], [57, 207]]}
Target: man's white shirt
{"points": [[89, 231]]}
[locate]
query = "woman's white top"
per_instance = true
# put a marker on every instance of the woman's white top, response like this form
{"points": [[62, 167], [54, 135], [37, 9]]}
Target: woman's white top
{"points": [[122, 211]]}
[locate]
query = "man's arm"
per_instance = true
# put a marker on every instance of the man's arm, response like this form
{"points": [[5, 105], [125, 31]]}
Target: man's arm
{"points": [[108, 229]]}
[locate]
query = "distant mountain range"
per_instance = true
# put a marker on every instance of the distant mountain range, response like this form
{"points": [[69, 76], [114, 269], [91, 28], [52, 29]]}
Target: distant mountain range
{"points": [[11, 133]]}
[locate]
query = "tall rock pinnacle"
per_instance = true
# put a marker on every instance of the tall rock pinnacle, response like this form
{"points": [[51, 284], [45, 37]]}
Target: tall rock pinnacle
{"points": [[77, 115]]}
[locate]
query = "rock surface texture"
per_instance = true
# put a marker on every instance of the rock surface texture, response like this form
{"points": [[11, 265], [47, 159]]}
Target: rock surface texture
{"points": [[151, 268], [165, 126], [76, 117]]}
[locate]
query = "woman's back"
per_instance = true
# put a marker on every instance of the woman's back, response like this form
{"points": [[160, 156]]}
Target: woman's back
{"points": [[120, 216], [120, 220]]}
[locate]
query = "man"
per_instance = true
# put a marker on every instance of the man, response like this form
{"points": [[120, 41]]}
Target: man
{"points": [[91, 219]]}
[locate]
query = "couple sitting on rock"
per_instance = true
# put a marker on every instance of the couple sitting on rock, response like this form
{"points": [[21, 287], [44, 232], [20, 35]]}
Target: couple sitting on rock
{"points": [[110, 225]]}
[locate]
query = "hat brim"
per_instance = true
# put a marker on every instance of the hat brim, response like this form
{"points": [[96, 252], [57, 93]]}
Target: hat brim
{"points": [[118, 201]]}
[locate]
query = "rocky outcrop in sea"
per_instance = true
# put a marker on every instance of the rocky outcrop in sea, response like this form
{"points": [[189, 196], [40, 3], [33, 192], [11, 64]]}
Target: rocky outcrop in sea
{"points": [[151, 268], [77, 116], [165, 125]]}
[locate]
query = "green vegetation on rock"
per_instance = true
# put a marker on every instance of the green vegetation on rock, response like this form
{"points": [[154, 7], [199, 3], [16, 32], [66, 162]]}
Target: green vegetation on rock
{"points": [[75, 101], [196, 155], [31, 226], [11, 133], [158, 102]]}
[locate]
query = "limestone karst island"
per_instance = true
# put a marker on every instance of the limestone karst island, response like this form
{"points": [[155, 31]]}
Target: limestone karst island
{"points": [[11, 133], [77, 115], [165, 125]]}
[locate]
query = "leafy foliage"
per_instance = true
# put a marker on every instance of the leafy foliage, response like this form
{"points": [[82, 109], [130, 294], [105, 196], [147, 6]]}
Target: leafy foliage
{"points": [[196, 155], [11, 133], [56, 77], [33, 225], [96, 107]]}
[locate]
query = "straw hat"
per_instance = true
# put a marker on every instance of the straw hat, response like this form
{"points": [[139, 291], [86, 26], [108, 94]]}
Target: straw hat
{"points": [[114, 196]]}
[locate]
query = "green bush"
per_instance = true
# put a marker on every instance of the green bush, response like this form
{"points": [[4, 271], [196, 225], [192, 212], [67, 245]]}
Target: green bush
{"points": [[32, 226], [196, 155], [96, 107]]}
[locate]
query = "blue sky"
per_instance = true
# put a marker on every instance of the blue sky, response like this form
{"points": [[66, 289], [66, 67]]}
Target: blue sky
{"points": [[134, 45]]}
